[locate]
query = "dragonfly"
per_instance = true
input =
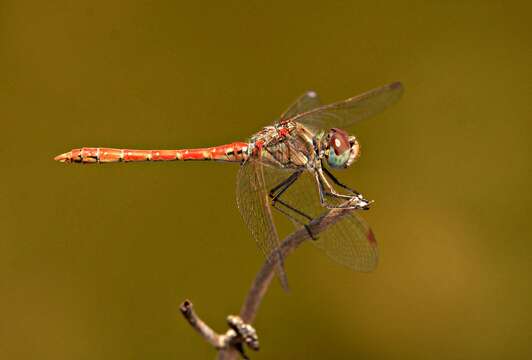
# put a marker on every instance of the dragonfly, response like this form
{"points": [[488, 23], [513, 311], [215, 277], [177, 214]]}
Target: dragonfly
{"points": [[287, 168]]}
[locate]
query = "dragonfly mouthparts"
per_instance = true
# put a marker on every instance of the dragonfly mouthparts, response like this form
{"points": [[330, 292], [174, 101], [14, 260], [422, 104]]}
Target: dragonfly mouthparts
{"points": [[64, 158]]}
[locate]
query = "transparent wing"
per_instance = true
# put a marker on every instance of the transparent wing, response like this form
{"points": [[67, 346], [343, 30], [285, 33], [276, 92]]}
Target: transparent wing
{"points": [[347, 112], [254, 205], [308, 101], [349, 242]]}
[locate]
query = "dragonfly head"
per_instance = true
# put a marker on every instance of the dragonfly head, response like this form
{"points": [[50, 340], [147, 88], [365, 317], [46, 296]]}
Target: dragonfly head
{"points": [[341, 149]]}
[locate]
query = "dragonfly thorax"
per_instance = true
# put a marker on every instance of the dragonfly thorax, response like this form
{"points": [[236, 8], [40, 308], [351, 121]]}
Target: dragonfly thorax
{"points": [[340, 149]]}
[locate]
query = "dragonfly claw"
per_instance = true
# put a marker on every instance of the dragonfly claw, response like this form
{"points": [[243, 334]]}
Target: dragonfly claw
{"points": [[356, 203], [363, 203]]}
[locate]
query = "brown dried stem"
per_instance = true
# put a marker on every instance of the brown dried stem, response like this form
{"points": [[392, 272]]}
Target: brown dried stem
{"points": [[226, 346], [216, 340]]}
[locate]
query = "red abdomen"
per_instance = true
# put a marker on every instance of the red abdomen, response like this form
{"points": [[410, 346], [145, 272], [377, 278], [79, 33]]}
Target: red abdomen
{"points": [[234, 152]]}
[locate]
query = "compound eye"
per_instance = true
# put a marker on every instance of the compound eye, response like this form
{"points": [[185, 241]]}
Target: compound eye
{"points": [[339, 141], [339, 148]]}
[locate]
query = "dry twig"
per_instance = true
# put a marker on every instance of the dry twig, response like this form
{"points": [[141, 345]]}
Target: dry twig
{"points": [[230, 343]]}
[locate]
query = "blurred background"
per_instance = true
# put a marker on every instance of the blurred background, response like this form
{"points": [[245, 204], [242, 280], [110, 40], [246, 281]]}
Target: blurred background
{"points": [[94, 260]]}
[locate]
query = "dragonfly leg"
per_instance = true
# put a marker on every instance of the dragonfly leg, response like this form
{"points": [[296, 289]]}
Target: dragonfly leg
{"points": [[275, 195], [293, 218], [290, 207], [283, 186], [277, 191], [337, 182], [355, 201]]}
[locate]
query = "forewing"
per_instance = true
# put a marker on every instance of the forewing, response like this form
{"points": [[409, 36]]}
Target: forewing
{"points": [[308, 101], [347, 112], [254, 205]]}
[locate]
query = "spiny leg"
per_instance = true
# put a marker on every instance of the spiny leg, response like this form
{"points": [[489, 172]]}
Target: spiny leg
{"points": [[283, 186], [322, 181], [353, 191], [277, 191], [290, 207], [275, 195], [337, 182], [293, 218]]}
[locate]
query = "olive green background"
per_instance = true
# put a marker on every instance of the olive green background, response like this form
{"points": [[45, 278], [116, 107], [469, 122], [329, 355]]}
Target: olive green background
{"points": [[94, 260]]}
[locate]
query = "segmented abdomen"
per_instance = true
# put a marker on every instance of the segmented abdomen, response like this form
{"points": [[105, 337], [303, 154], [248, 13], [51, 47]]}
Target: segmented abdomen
{"points": [[234, 152]]}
